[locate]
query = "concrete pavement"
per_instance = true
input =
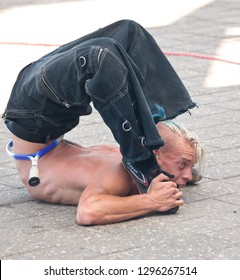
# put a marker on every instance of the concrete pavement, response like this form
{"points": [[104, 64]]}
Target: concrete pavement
{"points": [[208, 225]]}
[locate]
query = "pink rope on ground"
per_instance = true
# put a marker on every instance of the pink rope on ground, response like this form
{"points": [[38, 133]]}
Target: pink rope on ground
{"points": [[168, 53], [201, 56]]}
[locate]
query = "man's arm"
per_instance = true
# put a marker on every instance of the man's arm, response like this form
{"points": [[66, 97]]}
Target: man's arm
{"points": [[105, 205]]}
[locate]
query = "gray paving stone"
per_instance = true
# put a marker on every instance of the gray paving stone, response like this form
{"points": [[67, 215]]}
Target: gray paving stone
{"points": [[206, 227]]}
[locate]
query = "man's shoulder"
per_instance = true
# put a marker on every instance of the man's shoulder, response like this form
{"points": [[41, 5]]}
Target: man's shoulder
{"points": [[114, 177]]}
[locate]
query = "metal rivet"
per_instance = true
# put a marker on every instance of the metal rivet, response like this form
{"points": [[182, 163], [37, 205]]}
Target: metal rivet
{"points": [[126, 126], [82, 60]]}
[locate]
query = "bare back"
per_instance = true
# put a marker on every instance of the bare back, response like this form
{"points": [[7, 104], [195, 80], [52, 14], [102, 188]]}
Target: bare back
{"points": [[69, 169]]}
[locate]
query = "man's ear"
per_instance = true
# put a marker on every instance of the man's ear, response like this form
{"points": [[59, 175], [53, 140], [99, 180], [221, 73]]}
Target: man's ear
{"points": [[156, 152]]}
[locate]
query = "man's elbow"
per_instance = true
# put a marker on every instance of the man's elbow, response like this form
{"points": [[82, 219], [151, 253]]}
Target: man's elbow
{"points": [[86, 216]]}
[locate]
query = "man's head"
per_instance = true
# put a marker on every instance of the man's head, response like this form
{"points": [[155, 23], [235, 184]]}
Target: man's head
{"points": [[181, 151]]}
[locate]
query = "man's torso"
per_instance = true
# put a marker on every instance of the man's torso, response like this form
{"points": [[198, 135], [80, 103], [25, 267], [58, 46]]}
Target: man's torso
{"points": [[68, 169]]}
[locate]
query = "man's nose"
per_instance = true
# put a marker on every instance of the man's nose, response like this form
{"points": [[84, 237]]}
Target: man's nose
{"points": [[187, 175]]}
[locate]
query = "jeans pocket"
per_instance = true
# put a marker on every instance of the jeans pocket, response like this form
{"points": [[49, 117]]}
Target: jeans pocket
{"points": [[109, 79], [63, 80]]}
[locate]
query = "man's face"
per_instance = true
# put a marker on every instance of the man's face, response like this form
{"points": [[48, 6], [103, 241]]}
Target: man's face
{"points": [[177, 158]]}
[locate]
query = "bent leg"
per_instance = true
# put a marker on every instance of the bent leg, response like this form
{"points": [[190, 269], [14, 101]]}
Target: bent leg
{"points": [[116, 93], [164, 91], [162, 85]]}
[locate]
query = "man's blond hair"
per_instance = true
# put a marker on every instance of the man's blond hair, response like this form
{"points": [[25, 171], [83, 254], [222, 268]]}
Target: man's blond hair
{"points": [[180, 129]]}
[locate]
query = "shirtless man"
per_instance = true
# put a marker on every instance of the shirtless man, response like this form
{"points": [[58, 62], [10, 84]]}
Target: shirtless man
{"points": [[94, 179], [121, 70]]}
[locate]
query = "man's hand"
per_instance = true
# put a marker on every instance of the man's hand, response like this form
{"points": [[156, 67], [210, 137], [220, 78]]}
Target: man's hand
{"points": [[104, 203], [164, 193]]}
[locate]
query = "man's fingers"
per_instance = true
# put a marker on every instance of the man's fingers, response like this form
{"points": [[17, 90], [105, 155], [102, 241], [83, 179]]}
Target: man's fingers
{"points": [[179, 202], [179, 195]]}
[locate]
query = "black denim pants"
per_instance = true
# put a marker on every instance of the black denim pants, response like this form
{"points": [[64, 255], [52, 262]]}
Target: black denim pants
{"points": [[120, 69]]}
